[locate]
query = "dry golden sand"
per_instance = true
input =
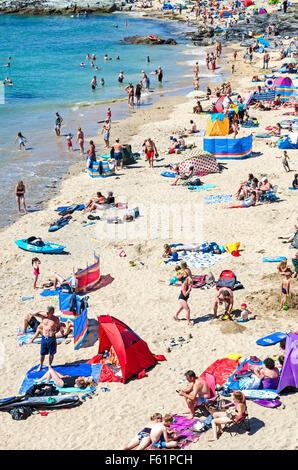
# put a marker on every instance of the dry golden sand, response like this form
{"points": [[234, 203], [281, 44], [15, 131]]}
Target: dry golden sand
{"points": [[138, 298]]}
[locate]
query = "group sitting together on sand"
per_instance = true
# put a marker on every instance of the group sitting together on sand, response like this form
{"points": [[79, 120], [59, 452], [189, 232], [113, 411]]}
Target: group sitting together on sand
{"points": [[251, 191], [199, 395]]}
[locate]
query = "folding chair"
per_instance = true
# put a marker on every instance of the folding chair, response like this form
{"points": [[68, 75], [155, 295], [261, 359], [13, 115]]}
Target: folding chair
{"points": [[212, 402], [235, 426]]}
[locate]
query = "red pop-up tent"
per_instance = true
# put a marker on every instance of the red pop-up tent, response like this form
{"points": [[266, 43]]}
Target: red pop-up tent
{"points": [[129, 355]]}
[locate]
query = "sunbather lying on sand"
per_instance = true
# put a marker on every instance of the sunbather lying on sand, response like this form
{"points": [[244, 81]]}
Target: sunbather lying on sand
{"points": [[289, 238], [66, 381], [94, 202], [276, 130], [142, 439]]}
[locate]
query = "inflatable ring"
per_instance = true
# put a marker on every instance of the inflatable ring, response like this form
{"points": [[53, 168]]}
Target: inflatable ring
{"points": [[153, 38], [269, 83]]}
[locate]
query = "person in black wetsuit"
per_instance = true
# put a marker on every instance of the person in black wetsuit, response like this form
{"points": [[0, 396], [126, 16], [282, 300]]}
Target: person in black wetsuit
{"points": [[183, 298], [66, 381]]}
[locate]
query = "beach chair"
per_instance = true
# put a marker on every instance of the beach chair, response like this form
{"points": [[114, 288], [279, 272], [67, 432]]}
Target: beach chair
{"points": [[270, 196], [236, 426], [212, 403]]}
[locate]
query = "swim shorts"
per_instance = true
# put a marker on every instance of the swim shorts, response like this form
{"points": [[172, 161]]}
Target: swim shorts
{"points": [[48, 346], [202, 400], [118, 156], [34, 324], [160, 444], [150, 154], [106, 135]]}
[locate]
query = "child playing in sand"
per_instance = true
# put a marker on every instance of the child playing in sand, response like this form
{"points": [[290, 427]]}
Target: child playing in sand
{"points": [[69, 142], [285, 289], [160, 434], [35, 264], [175, 278], [244, 314]]}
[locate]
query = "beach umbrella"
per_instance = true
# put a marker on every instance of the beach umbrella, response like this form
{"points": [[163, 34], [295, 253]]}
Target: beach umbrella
{"points": [[289, 60]]}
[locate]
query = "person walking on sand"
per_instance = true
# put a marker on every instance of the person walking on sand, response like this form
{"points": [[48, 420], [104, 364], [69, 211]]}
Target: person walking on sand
{"points": [[196, 393], [20, 196], [183, 299], [22, 139], [35, 264], [285, 161], [80, 140], [150, 149], [58, 123], [106, 131]]}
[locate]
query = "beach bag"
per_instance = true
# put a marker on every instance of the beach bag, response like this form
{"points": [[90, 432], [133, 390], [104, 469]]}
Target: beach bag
{"points": [[20, 412], [41, 390], [226, 279], [73, 283], [214, 248]]}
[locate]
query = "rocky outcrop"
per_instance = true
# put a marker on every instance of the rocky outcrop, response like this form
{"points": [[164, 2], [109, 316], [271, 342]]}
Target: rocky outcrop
{"points": [[146, 40], [60, 7], [287, 25]]}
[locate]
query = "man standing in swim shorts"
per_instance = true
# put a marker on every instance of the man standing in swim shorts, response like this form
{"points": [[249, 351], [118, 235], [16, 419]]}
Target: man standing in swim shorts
{"points": [[150, 149], [50, 325], [118, 154]]}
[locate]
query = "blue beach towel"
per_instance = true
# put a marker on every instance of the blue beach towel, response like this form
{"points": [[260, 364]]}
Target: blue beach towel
{"points": [[202, 187], [81, 369], [49, 292]]}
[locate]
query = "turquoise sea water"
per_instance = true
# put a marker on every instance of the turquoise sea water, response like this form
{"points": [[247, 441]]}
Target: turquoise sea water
{"points": [[46, 53]]}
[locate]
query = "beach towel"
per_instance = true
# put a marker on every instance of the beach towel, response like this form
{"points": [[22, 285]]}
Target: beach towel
{"points": [[80, 368], [218, 199], [184, 430], [49, 292], [24, 338], [198, 260], [222, 369], [277, 259], [202, 187], [233, 384]]}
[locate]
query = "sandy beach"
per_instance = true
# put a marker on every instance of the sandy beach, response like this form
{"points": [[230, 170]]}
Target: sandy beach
{"points": [[136, 295]]}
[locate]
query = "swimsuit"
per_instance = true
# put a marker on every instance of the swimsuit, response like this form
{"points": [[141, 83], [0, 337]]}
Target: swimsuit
{"points": [[150, 154], [284, 290], [69, 382], [34, 324], [144, 433], [183, 297], [118, 156], [48, 346], [161, 443], [36, 271]]}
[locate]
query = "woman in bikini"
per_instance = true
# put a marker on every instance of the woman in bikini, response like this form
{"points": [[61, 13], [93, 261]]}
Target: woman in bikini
{"points": [[66, 381], [20, 196], [80, 140], [224, 417], [183, 298]]}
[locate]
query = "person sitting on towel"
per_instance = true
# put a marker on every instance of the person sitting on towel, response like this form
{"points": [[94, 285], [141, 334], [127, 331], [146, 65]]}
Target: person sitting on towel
{"points": [[100, 199], [66, 381], [193, 128], [196, 393], [225, 295], [63, 330]]}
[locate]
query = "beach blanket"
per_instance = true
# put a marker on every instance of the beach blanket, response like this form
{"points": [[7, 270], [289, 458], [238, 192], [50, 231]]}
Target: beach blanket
{"points": [[221, 369], [198, 260], [184, 430], [49, 292], [80, 368], [24, 338], [203, 187], [218, 199]]}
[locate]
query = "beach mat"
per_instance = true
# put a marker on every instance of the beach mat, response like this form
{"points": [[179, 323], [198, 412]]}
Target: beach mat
{"points": [[49, 292], [198, 260], [203, 187], [222, 369], [80, 368], [271, 339], [277, 259], [24, 338]]}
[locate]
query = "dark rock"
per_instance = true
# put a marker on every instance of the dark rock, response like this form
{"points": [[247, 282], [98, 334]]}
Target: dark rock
{"points": [[145, 40]]}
